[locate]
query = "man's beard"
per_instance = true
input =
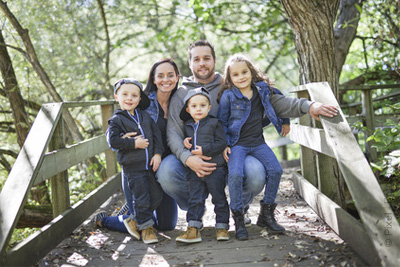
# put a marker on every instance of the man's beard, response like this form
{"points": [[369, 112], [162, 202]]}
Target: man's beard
{"points": [[204, 76]]}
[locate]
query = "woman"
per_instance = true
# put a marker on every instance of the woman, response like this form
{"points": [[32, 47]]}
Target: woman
{"points": [[162, 84]]}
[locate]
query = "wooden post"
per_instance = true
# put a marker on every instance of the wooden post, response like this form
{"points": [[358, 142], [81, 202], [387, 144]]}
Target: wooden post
{"points": [[284, 152], [59, 183], [368, 114], [307, 156], [111, 156]]}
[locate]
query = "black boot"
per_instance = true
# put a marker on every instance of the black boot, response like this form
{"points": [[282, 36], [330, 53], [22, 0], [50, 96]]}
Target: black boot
{"points": [[241, 232], [266, 219]]}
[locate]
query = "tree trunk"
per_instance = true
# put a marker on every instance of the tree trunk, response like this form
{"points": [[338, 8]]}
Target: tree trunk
{"points": [[33, 59], [312, 24], [13, 94], [345, 30]]}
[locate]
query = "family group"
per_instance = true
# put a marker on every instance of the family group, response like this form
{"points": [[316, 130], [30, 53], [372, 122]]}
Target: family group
{"points": [[176, 146]]}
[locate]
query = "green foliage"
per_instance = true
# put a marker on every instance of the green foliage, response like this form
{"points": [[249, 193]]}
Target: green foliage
{"points": [[19, 235], [387, 143]]}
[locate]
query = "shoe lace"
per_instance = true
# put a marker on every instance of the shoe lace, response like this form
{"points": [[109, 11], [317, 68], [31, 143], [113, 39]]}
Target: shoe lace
{"points": [[150, 231]]}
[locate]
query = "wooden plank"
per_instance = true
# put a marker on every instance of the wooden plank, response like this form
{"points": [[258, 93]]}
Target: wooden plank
{"points": [[73, 104], [25, 169], [111, 156], [367, 87], [27, 252], [379, 98], [380, 120], [59, 183], [312, 138], [61, 160], [345, 225], [363, 186], [283, 141]]}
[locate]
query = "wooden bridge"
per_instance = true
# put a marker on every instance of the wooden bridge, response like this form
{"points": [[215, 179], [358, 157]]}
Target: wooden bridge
{"points": [[375, 237]]}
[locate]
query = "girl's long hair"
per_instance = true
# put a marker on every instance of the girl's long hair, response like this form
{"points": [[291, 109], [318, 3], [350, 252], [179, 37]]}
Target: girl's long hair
{"points": [[151, 87], [256, 73]]}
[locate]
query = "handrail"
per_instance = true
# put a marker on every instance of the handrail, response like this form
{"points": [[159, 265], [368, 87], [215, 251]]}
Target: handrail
{"points": [[338, 141], [34, 165]]}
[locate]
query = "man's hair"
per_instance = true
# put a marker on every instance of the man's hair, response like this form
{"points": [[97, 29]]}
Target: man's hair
{"points": [[200, 43]]}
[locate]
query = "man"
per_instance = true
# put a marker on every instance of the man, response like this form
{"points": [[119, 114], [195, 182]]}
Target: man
{"points": [[173, 169]]}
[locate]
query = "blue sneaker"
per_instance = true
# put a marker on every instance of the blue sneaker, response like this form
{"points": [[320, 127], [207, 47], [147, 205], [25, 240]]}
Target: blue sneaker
{"points": [[124, 210], [97, 219]]}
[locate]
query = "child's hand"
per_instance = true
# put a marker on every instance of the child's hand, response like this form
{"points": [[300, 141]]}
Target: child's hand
{"points": [[285, 129], [197, 151], [155, 162], [186, 142], [140, 142], [129, 135], [227, 151]]}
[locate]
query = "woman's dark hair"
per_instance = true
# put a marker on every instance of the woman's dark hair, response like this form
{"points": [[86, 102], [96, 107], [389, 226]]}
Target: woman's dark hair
{"points": [[151, 87]]}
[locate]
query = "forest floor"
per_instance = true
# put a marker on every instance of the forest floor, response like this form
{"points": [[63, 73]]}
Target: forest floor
{"points": [[307, 242]]}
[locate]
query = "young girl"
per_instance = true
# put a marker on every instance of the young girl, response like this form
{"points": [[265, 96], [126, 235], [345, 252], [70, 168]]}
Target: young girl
{"points": [[246, 102]]}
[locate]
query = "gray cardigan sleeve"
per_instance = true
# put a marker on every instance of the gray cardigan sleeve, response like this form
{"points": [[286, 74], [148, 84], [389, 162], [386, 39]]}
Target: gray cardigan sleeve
{"points": [[289, 107], [175, 129]]}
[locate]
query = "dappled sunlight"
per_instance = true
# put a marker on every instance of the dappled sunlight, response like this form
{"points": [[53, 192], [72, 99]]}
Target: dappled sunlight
{"points": [[153, 258], [121, 247], [77, 259], [97, 240]]}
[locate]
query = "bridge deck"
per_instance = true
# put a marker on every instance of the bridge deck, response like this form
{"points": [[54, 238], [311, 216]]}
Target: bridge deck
{"points": [[308, 242]]}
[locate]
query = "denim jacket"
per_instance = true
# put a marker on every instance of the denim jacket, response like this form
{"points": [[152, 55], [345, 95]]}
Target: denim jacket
{"points": [[153, 109], [234, 109]]}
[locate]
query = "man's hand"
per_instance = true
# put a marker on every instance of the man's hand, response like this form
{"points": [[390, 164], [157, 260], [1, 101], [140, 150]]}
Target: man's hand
{"points": [[197, 164], [317, 109], [186, 142]]}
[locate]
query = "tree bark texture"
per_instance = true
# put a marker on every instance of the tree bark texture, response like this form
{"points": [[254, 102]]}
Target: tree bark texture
{"points": [[312, 24], [345, 30], [21, 119]]}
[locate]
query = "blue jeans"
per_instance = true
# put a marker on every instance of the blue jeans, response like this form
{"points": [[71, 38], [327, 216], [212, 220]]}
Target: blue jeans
{"points": [[165, 217], [199, 188], [138, 184], [236, 174], [172, 176]]}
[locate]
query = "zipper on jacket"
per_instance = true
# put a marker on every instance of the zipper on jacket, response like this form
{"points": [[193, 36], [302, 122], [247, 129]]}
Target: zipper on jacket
{"points": [[195, 127], [142, 133]]}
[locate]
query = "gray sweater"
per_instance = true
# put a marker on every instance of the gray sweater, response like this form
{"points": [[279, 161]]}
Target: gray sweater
{"points": [[285, 107]]}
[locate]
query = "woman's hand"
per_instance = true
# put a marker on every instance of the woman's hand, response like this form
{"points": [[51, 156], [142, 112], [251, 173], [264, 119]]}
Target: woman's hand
{"points": [[129, 135], [227, 151], [155, 162], [186, 142], [140, 142]]}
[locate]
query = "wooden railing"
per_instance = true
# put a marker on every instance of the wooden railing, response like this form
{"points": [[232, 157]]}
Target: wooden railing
{"points": [[364, 111], [377, 236], [44, 156]]}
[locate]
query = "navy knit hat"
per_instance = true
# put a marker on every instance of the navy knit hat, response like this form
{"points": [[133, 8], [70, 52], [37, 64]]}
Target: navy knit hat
{"points": [[184, 115], [144, 101]]}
